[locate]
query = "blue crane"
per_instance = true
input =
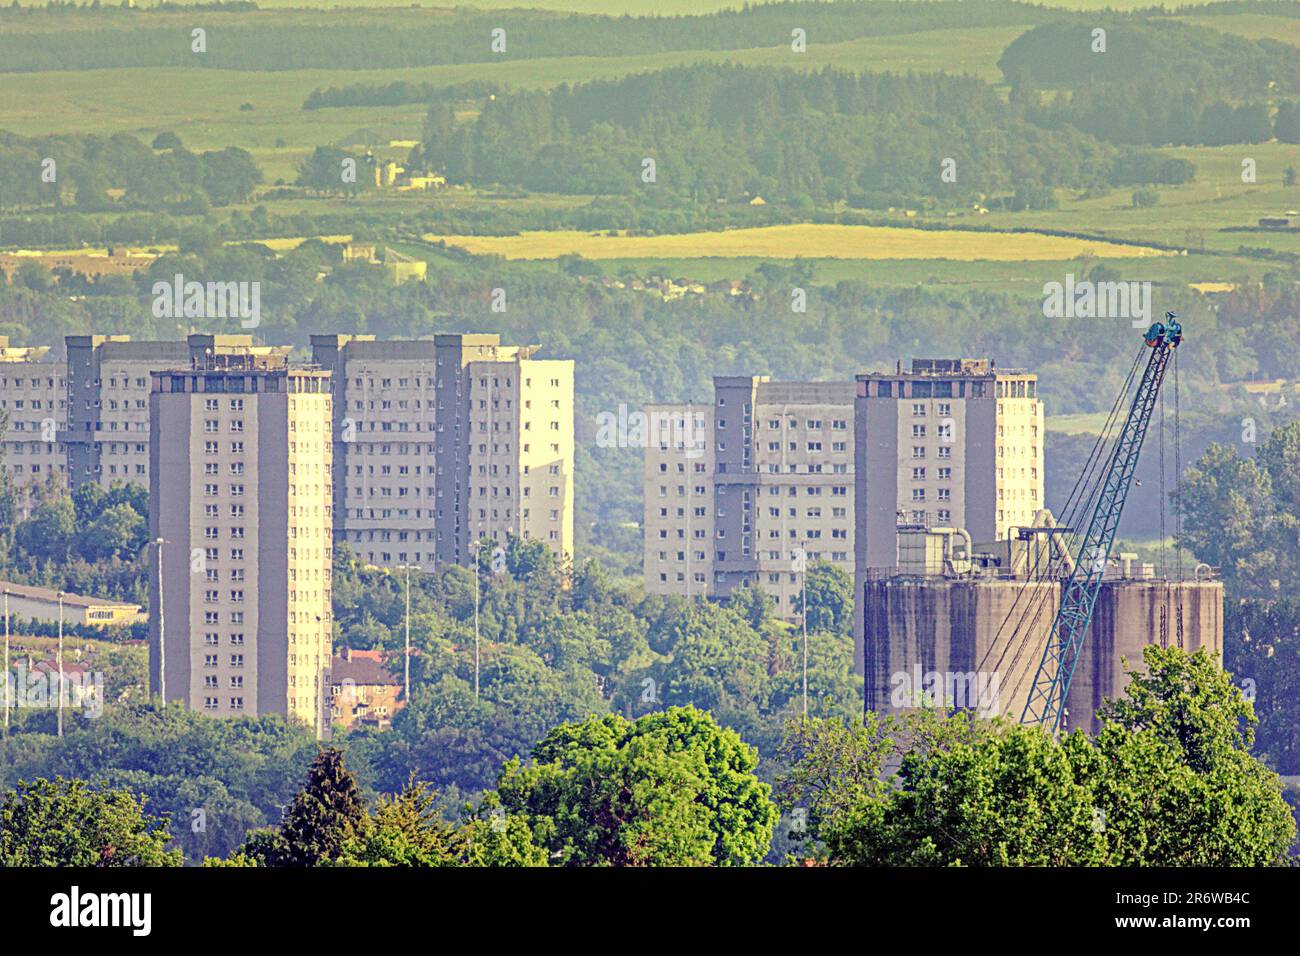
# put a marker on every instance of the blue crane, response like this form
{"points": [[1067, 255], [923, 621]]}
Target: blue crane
{"points": [[1046, 703]]}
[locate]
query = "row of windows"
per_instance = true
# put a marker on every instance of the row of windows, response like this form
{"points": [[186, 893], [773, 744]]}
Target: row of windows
{"points": [[6, 382], [942, 409], [211, 660], [813, 446], [35, 404], [941, 494], [943, 432]]}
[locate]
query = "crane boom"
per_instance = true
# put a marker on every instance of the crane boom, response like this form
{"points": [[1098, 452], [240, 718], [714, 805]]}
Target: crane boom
{"points": [[1046, 702]]}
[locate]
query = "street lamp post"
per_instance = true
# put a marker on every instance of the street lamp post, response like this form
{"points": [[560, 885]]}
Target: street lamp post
{"points": [[803, 591], [799, 563], [407, 662], [8, 675], [60, 664], [476, 599]]}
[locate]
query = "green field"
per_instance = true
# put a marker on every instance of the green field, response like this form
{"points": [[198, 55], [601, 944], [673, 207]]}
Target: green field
{"points": [[1190, 216], [203, 107]]}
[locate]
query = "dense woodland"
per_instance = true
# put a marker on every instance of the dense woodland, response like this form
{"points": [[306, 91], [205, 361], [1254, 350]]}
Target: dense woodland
{"points": [[878, 140], [80, 170], [726, 132], [1220, 92]]}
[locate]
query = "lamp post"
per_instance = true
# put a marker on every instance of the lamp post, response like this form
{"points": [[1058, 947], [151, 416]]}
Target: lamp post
{"points": [[60, 664], [803, 591], [800, 564], [475, 549], [8, 675], [407, 661]]}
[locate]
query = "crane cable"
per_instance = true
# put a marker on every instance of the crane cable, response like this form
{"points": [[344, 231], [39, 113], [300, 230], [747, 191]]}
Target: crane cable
{"points": [[1178, 502], [1070, 508], [1164, 570], [1073, 506], [1178, 471], [1087, 505], [1092, 499]]}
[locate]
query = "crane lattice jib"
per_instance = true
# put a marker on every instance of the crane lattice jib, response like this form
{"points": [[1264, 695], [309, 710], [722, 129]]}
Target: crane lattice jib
{"points": [[1046, 703]]}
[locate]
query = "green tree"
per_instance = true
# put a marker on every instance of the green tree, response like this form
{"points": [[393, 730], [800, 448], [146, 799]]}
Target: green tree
{"points": [[34, 276], [1175, 779], [67, 823], [1145, 198], [325, 815], [1169, 781], [404, 830], [1243, 515], [832, 766], [671, 789], [118, 532], [830, 599], [752, 603], [1262, 652], [48, 534]]}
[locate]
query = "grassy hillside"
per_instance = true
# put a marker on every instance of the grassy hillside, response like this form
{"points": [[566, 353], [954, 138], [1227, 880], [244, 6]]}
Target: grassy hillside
{"points": [[1213, 217]]}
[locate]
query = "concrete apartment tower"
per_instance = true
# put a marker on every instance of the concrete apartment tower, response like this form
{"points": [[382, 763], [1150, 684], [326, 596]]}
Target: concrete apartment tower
{"points": [[107, 429], [953, 443], [33, 400], [86, 419], [734, 488], [240, 464], [446, 441]]}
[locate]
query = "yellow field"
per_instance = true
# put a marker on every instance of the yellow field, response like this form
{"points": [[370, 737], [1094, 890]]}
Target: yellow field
{"points": [[809, 241]]}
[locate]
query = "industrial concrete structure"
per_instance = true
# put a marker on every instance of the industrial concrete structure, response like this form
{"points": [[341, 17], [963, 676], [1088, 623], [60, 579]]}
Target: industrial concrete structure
{"points": [[447, 441], [240, 464], [953, 633], [735, 488], [1131, 613], [918, 626]]}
